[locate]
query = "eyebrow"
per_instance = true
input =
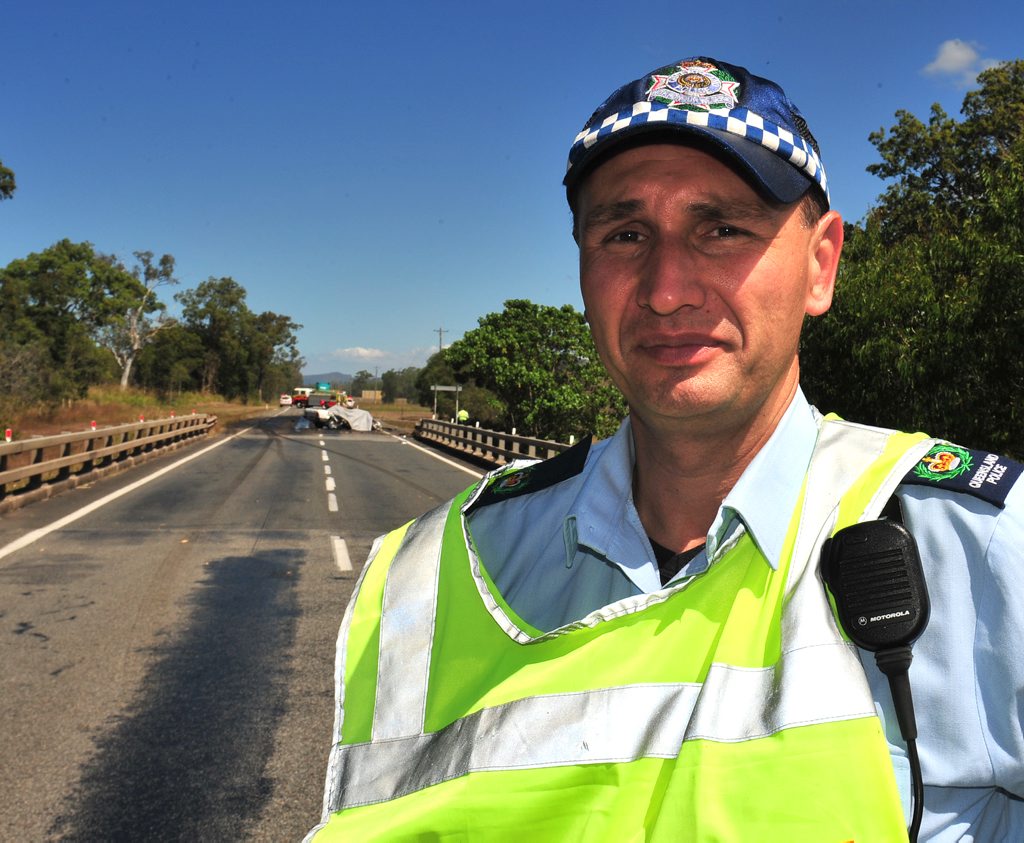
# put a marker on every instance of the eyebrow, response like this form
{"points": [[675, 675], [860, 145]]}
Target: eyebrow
{"points": [[733, 209], [711, 209], [613, 212]]}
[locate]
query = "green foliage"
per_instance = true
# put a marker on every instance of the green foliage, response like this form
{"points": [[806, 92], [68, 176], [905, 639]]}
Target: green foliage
{"points": [[245, 355], [436, 372], [129, 325], [362, 381], [57, 300], [929, 307], [274, 355], [71, 317], [7, 184], [168, 365], [540, 364], [20, 385], [397, 384]]}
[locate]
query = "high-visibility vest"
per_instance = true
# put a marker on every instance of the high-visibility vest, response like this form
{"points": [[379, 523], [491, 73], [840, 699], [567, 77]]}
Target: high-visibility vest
{"points": [[725, 708]]}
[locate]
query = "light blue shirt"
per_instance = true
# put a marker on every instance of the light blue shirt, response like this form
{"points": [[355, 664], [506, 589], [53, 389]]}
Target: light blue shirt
{"points": [[561, 552]]}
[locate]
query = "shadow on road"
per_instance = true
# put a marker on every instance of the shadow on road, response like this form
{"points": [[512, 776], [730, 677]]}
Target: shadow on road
{"points": [[186, 761]]}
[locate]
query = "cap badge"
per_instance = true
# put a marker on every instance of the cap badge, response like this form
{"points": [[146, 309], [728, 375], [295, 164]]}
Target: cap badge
{"points": [[695, 86]]}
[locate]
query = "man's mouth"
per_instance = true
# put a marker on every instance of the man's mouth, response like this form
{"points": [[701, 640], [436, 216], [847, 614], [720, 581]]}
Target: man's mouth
{"points": [[690, 349]]}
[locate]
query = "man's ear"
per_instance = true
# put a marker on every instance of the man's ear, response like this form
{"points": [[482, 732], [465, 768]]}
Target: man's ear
{"points": [[824, 248]]}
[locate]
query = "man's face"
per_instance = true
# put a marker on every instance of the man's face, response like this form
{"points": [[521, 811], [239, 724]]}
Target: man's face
{"points": [[696, 288]]}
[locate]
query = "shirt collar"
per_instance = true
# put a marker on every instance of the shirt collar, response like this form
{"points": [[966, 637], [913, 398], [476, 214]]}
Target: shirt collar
{"points": [[606, 519], [766, 494], [762, 501]]}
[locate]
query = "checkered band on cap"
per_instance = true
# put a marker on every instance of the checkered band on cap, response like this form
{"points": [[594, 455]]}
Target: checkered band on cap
{"points": [[737, 121]]}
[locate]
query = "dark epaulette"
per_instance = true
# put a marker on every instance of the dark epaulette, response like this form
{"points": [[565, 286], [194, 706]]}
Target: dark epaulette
{"points": [[980, 473], [533, 478]]}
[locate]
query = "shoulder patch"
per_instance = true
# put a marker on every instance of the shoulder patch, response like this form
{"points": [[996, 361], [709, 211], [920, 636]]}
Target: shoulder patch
{"points": [[535, 477], [980, 473]]}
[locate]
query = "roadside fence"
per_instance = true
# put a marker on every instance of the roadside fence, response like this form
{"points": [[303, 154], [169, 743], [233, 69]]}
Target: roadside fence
{"points": [[490, 445], [37, 468]]}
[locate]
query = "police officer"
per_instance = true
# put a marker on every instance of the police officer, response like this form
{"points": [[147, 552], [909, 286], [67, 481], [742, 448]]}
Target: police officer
{"points": [[632, 640]]}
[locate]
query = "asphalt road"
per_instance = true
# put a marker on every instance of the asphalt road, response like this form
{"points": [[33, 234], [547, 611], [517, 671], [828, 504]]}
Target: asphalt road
{"points": [[167, 659]]}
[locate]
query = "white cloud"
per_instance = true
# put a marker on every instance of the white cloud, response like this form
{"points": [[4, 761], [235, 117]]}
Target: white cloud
{"points": [[357, 357], [359, 353], [958, 60]]}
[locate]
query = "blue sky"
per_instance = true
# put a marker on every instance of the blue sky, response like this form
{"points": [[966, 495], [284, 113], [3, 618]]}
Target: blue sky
{"points": [[378, 171]]}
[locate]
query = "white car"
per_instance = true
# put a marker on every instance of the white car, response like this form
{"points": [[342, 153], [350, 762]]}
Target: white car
{"points": [[286, 399]]}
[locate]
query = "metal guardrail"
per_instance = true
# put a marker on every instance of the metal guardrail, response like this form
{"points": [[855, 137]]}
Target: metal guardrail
{"points": [[36, 468], [491, 445]]}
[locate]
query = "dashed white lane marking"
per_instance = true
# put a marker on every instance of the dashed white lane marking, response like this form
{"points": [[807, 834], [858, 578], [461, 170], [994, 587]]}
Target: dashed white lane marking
{"points": [[323, 456], [329, 483], [327, 470], [332, 502], [341, 554]]}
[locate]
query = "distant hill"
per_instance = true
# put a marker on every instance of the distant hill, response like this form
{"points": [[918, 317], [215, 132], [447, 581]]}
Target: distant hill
{"points": [[339, 378]]}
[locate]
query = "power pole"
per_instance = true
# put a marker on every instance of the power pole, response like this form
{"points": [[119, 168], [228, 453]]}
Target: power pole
{"points": [[440, 347]]}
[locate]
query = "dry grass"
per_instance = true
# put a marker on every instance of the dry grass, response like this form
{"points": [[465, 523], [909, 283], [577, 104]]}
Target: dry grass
{"points": [[108, 406], [396, 416]]}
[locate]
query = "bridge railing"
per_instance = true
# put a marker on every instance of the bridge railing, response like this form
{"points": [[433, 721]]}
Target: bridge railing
{"points": [[491, 445], [35, 468]]}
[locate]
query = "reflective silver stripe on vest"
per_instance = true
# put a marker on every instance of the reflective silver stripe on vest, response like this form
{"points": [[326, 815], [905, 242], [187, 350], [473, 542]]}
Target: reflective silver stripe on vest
{"points": [[336, 763], [818, 679], [407, 629], [603, 726]]}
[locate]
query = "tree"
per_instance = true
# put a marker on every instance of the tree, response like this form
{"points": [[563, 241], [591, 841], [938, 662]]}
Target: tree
{"points": [[216, 311], [57, 299], [930, 297], [541, 364], [129, 326], [273, 354], [437, 372], [172, 362], [245, 355], [938, 171], [20, 385], [361, 381], [7, 185], [397, 384]]}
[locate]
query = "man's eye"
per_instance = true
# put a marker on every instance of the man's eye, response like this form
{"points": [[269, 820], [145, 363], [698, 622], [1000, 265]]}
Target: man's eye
{"points": [[626, 237], [726, 231]]}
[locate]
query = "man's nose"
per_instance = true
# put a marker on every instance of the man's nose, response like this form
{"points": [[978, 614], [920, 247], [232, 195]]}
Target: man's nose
{"points": [[671, 278]]}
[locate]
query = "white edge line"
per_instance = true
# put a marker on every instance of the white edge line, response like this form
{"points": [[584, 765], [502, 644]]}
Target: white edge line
{"points": [[341, 557], [452, 463], [35, 535]]}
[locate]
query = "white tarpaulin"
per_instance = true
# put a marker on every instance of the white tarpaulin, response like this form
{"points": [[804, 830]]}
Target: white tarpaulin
{"points": [[355, 418]]}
